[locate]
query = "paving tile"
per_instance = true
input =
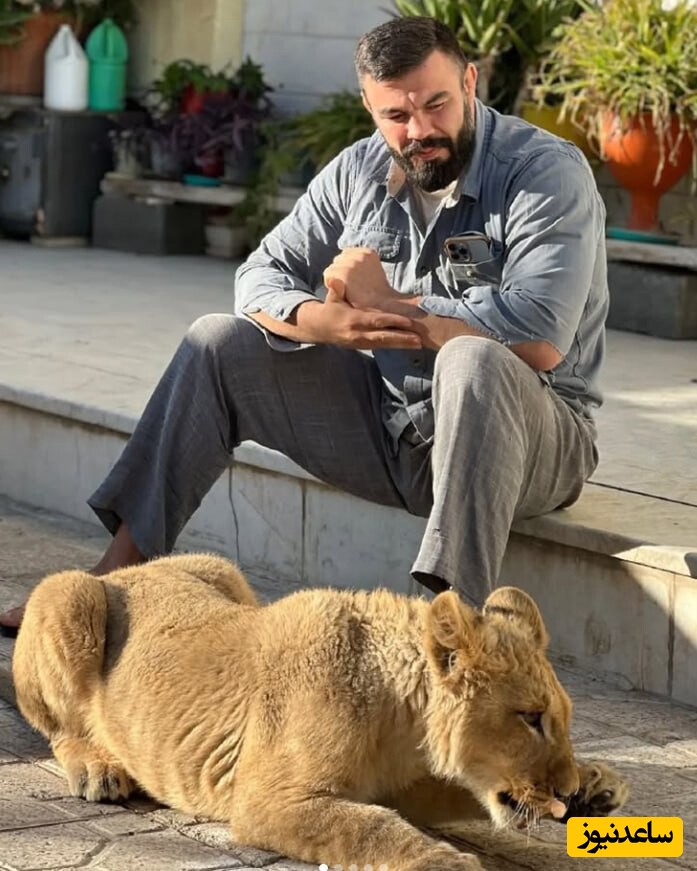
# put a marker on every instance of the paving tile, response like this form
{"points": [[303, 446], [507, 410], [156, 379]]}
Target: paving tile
{"points": [[24, 811], [18, 738], [64, 845], [161, 851], [655, 719], [24, 780]]}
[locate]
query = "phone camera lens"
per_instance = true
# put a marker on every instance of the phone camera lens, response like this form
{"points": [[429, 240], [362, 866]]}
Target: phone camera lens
{"points": [[463, 254]]}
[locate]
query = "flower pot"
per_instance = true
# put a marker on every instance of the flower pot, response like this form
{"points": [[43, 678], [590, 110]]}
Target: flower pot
{"points": [[163, 162], [225, 241], [210, 164], [22, 65], [633, 155], [547, 117], [241, 164], [192, 101]]}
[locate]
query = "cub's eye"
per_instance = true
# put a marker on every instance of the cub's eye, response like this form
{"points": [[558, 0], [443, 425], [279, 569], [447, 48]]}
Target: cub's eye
{"points": [[533, 719]]}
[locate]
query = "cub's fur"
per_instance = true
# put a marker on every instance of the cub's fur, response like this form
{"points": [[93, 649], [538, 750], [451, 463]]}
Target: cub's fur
{"points": [[326, 726]]}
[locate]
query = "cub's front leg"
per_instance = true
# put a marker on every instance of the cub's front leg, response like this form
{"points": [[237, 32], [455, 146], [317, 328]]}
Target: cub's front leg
{"points": [[602, 791], [339, 832]]}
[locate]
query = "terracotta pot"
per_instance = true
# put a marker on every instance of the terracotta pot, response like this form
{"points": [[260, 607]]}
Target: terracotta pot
{"points": [[633, 156], [22, 65], [193, 101]]}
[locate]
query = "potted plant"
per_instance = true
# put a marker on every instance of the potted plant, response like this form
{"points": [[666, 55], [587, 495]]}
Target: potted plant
{"points": [[296, 147], [28, 26], [504, 38], [183, 86], [629, 67], [227, 233], [210, 121]]}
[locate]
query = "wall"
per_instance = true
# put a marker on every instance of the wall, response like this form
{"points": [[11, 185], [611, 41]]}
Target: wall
{"points": [[207, 31], [306, 46]]}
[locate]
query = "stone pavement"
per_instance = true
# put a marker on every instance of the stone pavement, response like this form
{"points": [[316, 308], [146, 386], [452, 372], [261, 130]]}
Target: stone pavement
{"points": [[653, 742]]}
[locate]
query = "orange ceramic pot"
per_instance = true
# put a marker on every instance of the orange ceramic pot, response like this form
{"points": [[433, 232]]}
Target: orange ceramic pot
{"points": [[633, 156], [22, 65]]}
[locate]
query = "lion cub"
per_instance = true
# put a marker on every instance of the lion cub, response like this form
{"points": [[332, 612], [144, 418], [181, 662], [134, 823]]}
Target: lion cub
{"points": [[325, 726]]}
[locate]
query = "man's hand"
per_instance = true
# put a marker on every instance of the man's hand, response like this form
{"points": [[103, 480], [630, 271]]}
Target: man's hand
{"points": [[356, 275], [335, 322]]}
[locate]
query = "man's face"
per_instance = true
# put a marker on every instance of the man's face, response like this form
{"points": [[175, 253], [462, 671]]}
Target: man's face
{"points": [[427, 119]]}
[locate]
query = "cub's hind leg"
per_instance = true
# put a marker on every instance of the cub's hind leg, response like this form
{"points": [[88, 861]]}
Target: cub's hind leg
{"points": [[215, 570], [57, 667]]}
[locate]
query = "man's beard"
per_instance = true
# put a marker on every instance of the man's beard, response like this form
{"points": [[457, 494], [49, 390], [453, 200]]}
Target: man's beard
{"points": [[433, 175]]}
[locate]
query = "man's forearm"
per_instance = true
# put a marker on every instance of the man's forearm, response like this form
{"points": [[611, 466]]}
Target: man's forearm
{"points": [[436, 330], [299, 327]]}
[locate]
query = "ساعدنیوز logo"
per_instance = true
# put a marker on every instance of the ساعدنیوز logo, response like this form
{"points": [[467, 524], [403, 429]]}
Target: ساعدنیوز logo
{"points": [[638, 837]]}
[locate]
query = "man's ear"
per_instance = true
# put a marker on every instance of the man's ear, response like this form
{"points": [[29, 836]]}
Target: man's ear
{"points": [[453, 637], [366, 104], [470, 76], [512, 604]]}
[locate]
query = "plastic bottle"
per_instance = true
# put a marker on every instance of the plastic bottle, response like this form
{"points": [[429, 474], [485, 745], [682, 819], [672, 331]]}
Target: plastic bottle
{"points": [[65, 73], [107, 50]]}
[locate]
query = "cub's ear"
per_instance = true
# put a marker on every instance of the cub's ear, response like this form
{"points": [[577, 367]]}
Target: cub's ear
{"points": [[513, 604], [453, 637]]}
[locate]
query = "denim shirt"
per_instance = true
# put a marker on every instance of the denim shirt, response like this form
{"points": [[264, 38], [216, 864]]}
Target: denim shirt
{"points": [[535, 198]]}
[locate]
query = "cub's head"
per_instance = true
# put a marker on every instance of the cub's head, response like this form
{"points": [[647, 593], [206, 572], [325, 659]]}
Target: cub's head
{"points": [[498, 718]]}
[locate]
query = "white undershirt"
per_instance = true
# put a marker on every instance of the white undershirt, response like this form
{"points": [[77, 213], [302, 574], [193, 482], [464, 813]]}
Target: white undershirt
{"points": [[429, 202]]}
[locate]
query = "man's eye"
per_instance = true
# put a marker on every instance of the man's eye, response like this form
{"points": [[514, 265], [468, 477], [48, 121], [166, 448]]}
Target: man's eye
{"points": [[436, 108]]}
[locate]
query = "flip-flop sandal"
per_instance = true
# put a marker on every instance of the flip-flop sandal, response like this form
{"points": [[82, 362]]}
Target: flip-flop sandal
{"points": [[9, 630]]}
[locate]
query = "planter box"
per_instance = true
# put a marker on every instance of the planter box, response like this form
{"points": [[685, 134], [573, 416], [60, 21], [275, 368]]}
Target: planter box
{"points": [[656, 300], [148, 226]]}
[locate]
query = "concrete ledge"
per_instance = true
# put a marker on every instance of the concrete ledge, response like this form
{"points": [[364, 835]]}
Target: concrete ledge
{"points": [[614, 574], [641, 529]]}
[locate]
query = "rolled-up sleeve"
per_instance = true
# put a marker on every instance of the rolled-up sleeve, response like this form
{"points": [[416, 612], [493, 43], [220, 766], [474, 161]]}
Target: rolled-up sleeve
{"points": [[286, 269], [554, 219]]}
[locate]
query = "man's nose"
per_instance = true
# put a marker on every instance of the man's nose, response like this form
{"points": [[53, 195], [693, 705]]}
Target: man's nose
{"points": [[419, 126]]}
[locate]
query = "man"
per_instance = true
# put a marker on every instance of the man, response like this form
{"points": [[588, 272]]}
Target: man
{"points": [[473, 405]]}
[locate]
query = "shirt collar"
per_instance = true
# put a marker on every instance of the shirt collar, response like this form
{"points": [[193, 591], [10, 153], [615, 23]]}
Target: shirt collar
{"points": [[468, 185]]}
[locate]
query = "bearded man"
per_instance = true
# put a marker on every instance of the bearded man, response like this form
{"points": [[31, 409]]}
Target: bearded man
{"points": [[423, 330]]}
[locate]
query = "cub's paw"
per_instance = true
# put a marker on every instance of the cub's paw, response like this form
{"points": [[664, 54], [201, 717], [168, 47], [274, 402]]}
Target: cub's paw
{"points": [[602, 791], [92, 772], [96, 780]]}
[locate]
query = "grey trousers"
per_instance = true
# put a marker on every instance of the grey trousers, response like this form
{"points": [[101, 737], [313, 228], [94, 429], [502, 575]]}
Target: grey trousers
{"points": [[505, 445]]}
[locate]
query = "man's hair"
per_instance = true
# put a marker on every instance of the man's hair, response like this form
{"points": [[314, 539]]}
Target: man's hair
{"points": [[400, 45]]}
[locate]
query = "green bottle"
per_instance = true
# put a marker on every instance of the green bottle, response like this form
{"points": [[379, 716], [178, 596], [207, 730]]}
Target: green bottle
{"points": [[107, 50]]}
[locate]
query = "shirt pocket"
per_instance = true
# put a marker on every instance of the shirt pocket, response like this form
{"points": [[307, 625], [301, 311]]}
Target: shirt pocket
{"points": [[458, 279], [390, 246]]}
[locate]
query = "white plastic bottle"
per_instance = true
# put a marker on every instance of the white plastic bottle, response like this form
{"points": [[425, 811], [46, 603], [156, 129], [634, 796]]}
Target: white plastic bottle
{"points": [[66, 73]]}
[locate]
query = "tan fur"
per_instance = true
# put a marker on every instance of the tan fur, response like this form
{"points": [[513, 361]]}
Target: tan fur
{"points": [[308, 723]]}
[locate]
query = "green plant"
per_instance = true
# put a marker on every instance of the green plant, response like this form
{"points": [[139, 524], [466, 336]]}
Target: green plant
{"points": [[314, 138], [323, 132], [15, 13], [176, 77], [628, 57], [505, 38], [12, 21]]}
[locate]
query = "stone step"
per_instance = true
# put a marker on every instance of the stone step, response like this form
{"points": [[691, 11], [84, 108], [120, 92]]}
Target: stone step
{"points": [[614, 575]]}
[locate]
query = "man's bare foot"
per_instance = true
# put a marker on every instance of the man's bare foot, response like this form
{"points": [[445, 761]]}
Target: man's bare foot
{"points": [[121, 552]]}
